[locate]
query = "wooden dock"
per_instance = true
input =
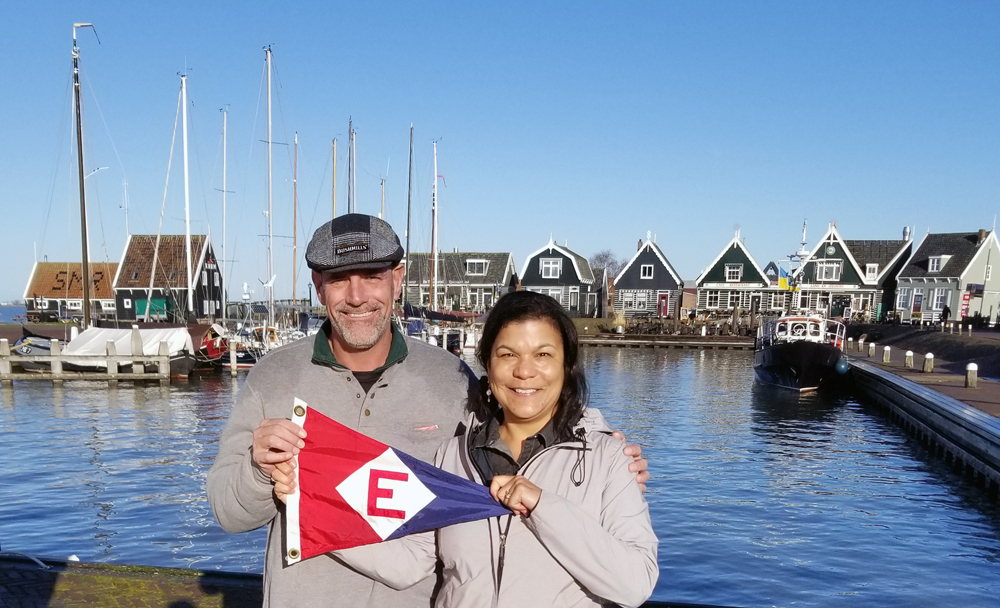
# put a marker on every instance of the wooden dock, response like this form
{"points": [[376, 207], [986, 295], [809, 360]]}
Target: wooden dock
{"points": [[111, 360], [669, 341]]}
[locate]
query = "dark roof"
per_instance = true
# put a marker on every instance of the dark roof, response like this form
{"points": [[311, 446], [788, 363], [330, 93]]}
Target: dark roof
{"points": [[586, 272], [61, 280], [962, 246], [170, 273], [874, 252], [453, 267]]}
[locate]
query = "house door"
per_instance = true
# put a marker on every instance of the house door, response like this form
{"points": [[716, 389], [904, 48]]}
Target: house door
{"points": [[918, 300], [838, 304], [663, 305]]}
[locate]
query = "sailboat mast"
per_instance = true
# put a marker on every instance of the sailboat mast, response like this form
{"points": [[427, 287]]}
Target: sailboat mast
{"points": [[85, 322], [270, 225], [409, 193], [381, 214], [334, 177], [350, 162], [225, 283], [434, 223], [295, 212], [354, 171], [187, 198]]}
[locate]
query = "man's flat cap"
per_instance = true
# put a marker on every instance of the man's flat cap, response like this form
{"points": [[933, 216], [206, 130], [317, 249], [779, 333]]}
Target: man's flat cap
{"points": [[353, 242]]}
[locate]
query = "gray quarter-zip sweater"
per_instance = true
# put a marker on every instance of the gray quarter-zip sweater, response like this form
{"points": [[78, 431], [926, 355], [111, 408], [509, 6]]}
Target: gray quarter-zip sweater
{"points": [[415, 406]]}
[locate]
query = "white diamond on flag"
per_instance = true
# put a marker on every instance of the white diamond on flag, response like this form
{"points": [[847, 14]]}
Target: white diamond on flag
{"points": [[386, 493]]}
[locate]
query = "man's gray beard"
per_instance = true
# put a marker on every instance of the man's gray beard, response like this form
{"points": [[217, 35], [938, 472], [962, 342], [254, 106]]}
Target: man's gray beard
{"points": [[366, 337]]}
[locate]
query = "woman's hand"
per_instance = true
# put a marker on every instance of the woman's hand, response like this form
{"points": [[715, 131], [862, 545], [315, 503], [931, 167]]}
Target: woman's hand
{"points": [[283, 476], [516, 493]]}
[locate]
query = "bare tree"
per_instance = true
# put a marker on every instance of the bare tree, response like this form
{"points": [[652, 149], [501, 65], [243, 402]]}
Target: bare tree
{"points": [[607, 259]]}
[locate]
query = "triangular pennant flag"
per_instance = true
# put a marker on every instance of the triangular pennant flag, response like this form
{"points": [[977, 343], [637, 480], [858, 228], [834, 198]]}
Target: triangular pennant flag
{"points": [[353, 490]]}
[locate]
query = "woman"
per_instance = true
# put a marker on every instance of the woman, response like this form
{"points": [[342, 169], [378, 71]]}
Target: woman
{"points": [[580, 533]]}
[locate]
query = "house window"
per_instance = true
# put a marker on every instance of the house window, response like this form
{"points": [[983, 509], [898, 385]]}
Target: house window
{"points": [[628, 300], [475, 267], [804, 301], [108, 306], [204, 277], [640, 300], [734, 272], [172, 275], [74, 304], [551, 268], [734, 299], [127, 302], [828, 271], [216, 275], [574, 300], [135, 275], [903, 299], [204, 308], [934, 265], [713, 299], [778, 300], [940, 298], [473, 298], [871, 271], [646, 271]]}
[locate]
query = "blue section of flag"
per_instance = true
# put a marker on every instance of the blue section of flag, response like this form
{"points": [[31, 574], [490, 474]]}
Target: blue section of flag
{"points": [[457, 501]]}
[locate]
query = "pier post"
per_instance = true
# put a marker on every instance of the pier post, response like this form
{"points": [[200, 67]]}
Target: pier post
{"points": [[232, 359], [885, 354], [850, 344], [112, 364], [871, 349], [971, 373], [702, 331], [951, 328], [970, 330], [5, 366], [908, 361], [861, 344], [136, 337], [163, 363], [928, 363], [55, 350]]}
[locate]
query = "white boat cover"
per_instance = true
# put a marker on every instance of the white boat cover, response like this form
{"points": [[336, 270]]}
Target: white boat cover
{"points": [[93, 342]]}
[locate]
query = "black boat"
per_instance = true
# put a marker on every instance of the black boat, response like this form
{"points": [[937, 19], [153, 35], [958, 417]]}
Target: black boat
{"points": [[799, 353]]}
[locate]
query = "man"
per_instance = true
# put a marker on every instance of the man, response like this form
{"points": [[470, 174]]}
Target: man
{"points": [[361, 371]]}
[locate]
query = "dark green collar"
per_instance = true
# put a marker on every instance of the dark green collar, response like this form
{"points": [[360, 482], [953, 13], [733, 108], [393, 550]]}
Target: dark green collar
{"points": [[324, 356]]}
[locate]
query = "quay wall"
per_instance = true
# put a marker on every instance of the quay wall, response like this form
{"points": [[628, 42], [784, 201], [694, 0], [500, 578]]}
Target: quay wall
{"points": [[964, 436]]}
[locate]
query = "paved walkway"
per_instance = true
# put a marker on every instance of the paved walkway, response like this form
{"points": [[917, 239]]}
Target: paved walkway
{"points": [[985, 397]]}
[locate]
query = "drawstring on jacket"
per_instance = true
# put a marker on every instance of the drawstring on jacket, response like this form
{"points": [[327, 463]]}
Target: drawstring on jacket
{"points": [[581, 462]]}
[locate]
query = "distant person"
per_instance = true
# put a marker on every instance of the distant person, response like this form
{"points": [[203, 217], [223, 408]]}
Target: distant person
{"points": [[945, 313], [579, 533], [359, 370]]}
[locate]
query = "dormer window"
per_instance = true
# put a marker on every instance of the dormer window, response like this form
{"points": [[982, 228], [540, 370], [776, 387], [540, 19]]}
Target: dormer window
{"points": [[135, 275], [871, 272], [550, 268], [934, 265], [475, 267], [646, 271], [734, 272]]}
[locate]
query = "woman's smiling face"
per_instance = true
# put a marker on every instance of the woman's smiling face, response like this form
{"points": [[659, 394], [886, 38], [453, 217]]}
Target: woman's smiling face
{"points": [[527, 371]]}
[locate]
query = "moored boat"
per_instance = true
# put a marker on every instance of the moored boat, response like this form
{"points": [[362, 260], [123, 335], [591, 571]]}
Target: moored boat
{"points": [[799, 353]]}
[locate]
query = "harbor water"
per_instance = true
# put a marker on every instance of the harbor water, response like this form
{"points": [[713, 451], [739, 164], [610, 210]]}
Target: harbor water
{"points": [[759, 497]]}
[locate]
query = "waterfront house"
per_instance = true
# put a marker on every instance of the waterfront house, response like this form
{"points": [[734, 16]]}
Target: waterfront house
{"points": [[565, 275], [735, 280], [166, 291], [841, 278], [467, 281], [648, 285], [953, 270], [55, 291]]}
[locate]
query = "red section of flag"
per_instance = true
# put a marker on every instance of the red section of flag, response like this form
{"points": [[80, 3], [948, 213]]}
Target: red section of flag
{"points": [[326, 521]]}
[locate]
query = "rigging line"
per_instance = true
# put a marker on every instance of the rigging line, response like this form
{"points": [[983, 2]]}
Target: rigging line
{"points": [[105, 123], [327, 165], [281, 113], [163, 205], [246, 168], [55, 171], [201, 177]]}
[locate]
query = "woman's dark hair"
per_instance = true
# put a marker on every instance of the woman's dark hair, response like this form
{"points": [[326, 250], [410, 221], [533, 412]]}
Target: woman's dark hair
{"points": [[525, 306]]}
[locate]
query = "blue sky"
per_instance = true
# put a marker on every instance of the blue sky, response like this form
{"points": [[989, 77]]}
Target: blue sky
{"points": [[590, 122]]}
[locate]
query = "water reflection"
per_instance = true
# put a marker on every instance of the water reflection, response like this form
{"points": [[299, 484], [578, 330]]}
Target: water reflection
{"points": [[759, 497]]}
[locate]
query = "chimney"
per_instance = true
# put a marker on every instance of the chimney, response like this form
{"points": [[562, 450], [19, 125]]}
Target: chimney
{"points": [[982, 236], [906, 233], [639, 246]]}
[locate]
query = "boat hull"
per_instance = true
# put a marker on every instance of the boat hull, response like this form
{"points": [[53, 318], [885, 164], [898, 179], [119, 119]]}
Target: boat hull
{"points": [[801, 366]]}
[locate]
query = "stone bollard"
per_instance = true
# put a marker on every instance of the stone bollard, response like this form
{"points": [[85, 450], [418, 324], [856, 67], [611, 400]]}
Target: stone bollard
{"points": [[971, 371], [928, 363], [232, 359], [871, 349], [850, 344], [908, 361], [702, 331], [942, 328], [970, 330], [861, 345], [885, 354], [951, 328], [5, 366]]}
